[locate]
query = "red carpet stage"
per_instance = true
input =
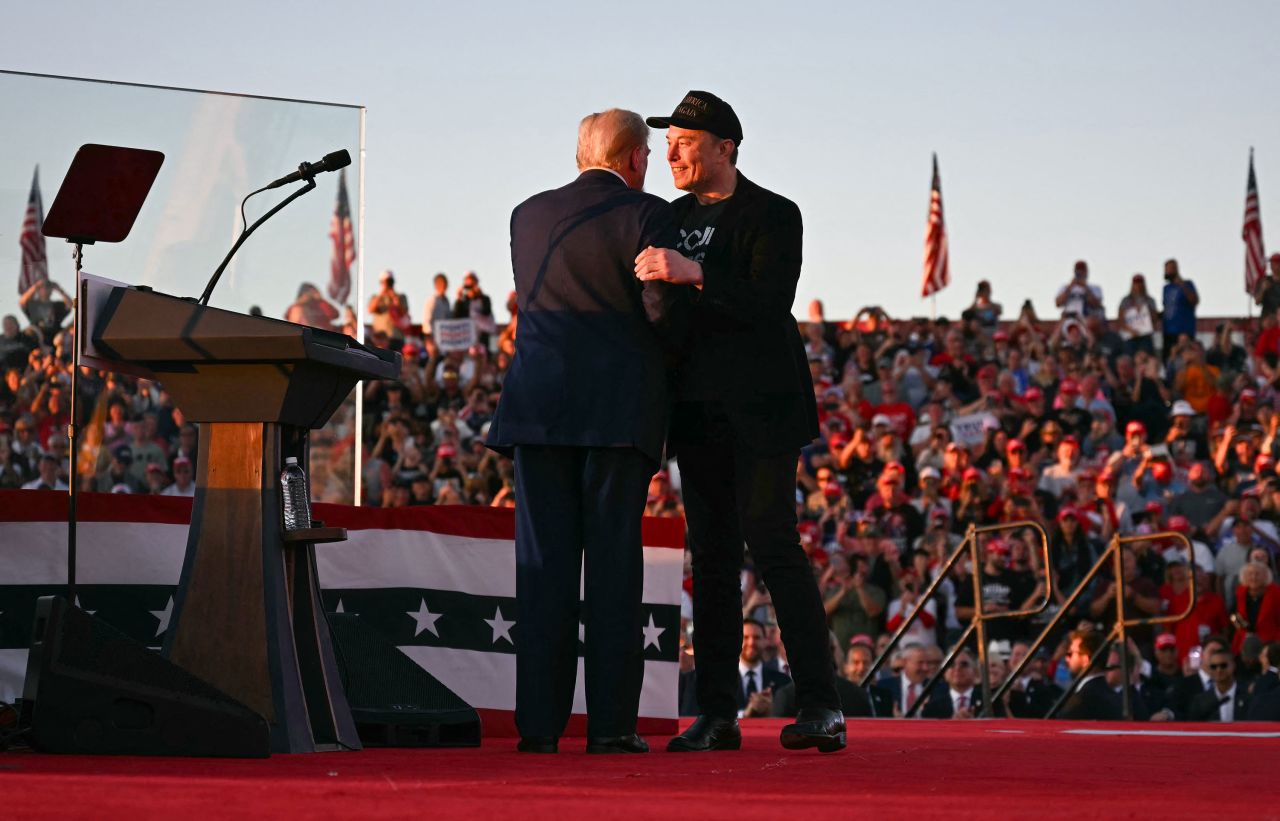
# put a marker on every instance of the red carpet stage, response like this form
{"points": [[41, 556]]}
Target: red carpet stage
{"points": [[895, 768]]}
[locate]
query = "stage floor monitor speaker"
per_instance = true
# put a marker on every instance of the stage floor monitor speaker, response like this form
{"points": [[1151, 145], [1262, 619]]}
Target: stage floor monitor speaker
{"points": [[91, 689], [395, 703]]}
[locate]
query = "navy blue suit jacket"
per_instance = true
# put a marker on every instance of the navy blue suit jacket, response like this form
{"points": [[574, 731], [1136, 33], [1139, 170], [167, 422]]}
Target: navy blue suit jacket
{"points": [[589, 367]]}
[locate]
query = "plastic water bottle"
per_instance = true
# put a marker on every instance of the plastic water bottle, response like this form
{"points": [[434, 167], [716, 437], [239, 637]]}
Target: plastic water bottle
{"points": [[297, 499]]}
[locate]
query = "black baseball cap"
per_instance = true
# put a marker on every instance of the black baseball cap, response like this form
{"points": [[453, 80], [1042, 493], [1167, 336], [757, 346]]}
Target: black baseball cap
{"points": [[702, 111]]}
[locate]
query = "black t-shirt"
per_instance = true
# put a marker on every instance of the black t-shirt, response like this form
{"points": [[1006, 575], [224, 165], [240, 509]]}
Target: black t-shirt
{"points": [[1009, 588], [698, 228]]}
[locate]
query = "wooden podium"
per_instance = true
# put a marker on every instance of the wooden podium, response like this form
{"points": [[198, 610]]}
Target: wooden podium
{"points": [[247, 616]]}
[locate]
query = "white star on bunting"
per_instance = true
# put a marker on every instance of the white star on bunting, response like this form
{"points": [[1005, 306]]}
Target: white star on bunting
{"points": [[651, 634], [501, 627], [163, 616], [426, 620]]}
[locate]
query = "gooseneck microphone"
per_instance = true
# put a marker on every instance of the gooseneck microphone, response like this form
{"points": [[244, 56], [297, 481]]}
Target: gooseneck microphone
{"points": [[306, 172], [331, 162]]}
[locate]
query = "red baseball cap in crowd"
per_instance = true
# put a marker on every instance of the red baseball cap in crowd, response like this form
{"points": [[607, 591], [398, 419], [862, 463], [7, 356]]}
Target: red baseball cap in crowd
{"points": [[1180, 524], [1000, 336], [953, 446], [971, 474], [1264, 463], [1032, 394], [988, 371], [1135, 427], [1154, 508], [832, 490], [998, 546], [838, 440], [1248, 395], [1014, 444], [1068, 386], [1165, 640], [446, 451], [1070, 439], [861, 640], [156, 467], [1161, 472], [887, 478], [939, 513], [1069, 513], [895, 467]]}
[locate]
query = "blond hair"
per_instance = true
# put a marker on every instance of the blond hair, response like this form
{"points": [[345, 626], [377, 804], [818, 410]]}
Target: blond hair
{"points": [[607, 138]]}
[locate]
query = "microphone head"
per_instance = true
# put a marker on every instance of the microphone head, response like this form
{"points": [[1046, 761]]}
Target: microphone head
{"points": [[336, 160]]}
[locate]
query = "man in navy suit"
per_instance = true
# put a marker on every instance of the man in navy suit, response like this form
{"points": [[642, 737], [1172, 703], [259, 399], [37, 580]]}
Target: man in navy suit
{"points": [[584, 411], [960, 698], [744, 408]]}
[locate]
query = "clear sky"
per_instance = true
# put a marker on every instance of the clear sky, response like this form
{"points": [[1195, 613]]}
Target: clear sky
{"points": [[1116, 132]]}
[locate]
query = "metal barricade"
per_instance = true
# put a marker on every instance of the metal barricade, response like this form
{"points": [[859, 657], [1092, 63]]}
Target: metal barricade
{"points": [[1119, 630], [977, 624]]}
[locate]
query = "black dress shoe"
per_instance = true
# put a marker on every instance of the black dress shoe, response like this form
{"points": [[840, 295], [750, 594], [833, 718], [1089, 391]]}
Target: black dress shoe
{"points": [[617, 744], [538, 744], [707, 733], [815, 727]]}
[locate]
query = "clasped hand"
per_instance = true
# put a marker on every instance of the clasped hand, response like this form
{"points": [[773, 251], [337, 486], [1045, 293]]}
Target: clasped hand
{"points": [[668, 266]]}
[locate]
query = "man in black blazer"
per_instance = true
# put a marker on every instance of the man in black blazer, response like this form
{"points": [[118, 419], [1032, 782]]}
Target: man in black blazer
{"points": [[584, 411], [1227, 699], [744, 408], [1093, 699]]}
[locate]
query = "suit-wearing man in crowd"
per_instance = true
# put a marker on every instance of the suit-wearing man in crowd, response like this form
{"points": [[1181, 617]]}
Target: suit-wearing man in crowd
{"points": [[908, 686], [1031, 695], [584, 410], [961, 698], [1094, 699], [1227, 699], [744, 408], [1264, 693], [856, 701]]}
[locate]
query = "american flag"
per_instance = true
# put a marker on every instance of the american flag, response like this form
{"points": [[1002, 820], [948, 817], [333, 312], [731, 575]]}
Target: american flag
{"points": [[1254, 257], [35, 262], [937, 272], [344, 245]]}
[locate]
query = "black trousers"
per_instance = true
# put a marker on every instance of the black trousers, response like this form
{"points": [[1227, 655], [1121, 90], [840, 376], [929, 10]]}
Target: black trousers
{"points": [[733, 494], [573, 504]]}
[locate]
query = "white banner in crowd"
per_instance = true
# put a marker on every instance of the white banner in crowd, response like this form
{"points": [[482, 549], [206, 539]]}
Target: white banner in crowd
{"points": [[439, 582], [454, 334], [967, 430]]}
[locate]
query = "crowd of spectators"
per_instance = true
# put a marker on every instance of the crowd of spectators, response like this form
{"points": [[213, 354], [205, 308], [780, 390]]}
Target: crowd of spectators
{"points": [[1093, 424]]}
